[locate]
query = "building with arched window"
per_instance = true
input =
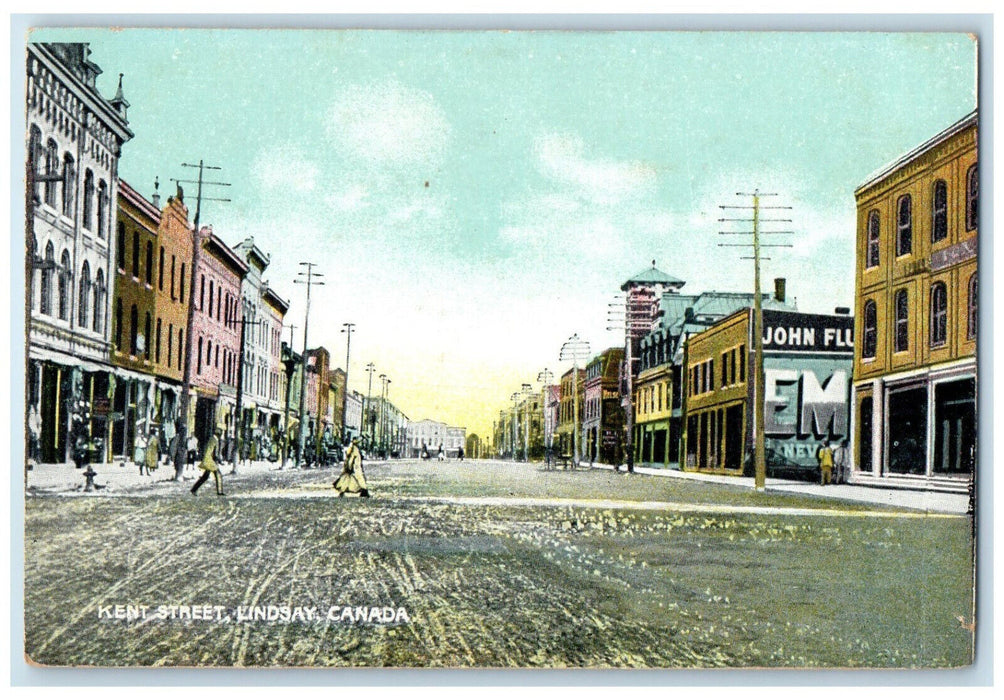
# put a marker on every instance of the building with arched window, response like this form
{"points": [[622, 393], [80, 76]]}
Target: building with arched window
{"points": [[914, 395], [75, 138]]}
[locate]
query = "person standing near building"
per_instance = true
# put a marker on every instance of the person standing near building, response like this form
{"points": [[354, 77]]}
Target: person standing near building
{"points": [[34, 434], [151, 458], [840, 463], [825, 457], [208, 465], [352, 479]]}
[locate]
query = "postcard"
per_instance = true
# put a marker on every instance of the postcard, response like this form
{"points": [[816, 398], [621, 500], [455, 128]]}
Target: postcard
{"points": [[500, 349]]}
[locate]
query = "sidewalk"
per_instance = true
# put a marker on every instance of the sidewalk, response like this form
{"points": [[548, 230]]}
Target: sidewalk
{"points": [[929, 501]]}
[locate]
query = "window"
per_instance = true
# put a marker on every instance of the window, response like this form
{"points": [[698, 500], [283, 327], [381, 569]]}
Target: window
{"points": [[172, 278], [84, 293], [972, 198], [102, 209], [210, 297], [64, 286], [202, 292], [939, 314], [170, 343], [939, 212], [198, 366], [972, 309], [120, 247], [181, 285], [160, 276], [99, 301], [904, 226], [870, 327], [742, 363], [89, 200], [69, 182], [181, 346], [135, 254], [146, 336], [873, 239], [118, 323], [51, 169], [149, 263], [156, 356], [133, 330], [902, 321], [45, 293]]}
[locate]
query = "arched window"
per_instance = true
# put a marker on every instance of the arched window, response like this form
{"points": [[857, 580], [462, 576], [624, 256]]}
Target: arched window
{"points": [[902, 321], [48, 267], [99, 301], [135, 254], [210, 297], [118, 323], [198, 357], [35, 264], [870, 327], [181, 285], [133, 330], [873, 239], [939, 212], [65, 275], [35, 154], [939, 314], [202, 292], [84, 295], [904, 226], [157, 355], [972, 310], [181, 347], [69, 182], [972, 198], [160, 273], [102, 209], [149, 263], [51, 169], [120, 247], [147, 338], [89, 200]]}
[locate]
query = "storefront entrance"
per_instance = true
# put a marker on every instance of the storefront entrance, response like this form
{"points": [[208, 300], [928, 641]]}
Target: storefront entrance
{"points": [[955, 427]]}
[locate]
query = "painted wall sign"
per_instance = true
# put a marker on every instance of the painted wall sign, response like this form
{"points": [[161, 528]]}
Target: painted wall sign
{"points": [[792, 331]]}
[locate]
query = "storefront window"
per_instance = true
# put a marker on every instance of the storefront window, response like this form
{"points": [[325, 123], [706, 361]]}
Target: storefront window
{"points": [[907, 426], [865, 435], [955, 427]]}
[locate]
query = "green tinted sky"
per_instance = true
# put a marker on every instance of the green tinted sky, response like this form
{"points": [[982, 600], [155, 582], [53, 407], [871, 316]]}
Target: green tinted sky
{"points": [[558, 165]]}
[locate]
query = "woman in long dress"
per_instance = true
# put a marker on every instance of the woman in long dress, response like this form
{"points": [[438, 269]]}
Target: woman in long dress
{"points": [[352, 478]]}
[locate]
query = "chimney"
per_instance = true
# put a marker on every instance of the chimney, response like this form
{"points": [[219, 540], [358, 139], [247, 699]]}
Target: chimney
{"points": [[779, 289], [156, 193]]}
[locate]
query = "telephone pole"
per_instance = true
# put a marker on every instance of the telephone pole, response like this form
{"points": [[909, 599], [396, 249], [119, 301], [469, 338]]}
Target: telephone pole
{"points": [[289, 368], [526, 394], [366, 419], [308, 278], [545, 377], [759, 449], [575, 349], [186, 382], [347, 330]]}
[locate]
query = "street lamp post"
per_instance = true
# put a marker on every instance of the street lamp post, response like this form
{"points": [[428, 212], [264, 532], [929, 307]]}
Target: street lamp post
{"points": [[309, 281], [368, 413], [526, 394]]}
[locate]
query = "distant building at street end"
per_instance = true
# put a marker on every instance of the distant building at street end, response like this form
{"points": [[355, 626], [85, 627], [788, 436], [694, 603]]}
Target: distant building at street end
{"points": [[807, 368], [916, 304], [431, 435], [603, 421], [354, 414]]}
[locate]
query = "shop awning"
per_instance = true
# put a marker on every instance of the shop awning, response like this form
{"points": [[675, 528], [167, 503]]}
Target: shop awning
{"points": [[61, 358]]}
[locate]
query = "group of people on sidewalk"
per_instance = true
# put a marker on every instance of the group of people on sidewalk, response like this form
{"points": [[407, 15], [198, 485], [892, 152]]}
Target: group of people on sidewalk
{"points": [[832, 463]]}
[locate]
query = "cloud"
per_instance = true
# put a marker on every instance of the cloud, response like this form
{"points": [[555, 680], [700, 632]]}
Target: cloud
{"points": [[351, 199], [284, 167], [388, 124], [601, 181]]}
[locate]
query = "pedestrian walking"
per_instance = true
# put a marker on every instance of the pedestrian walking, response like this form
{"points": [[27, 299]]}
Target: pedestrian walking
{"points": [[841, 462], [352, 479], [441, 456], [460, 454], [152, 457], [209, 466], [825, 457], [34, 434]]}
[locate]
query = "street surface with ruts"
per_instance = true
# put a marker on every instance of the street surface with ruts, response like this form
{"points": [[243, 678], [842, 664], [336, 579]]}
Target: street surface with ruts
{"points": [[491, 564]]}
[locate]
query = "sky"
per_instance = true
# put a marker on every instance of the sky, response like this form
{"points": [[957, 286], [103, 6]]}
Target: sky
{"points": [[475, 198]]}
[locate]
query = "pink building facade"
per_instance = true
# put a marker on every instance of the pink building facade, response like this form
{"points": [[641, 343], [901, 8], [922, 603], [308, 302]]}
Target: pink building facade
{"points": [[216, 334]]}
